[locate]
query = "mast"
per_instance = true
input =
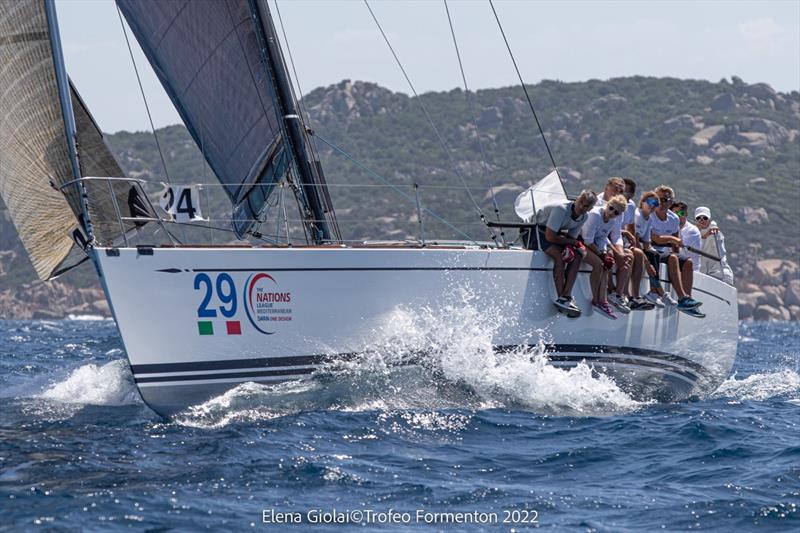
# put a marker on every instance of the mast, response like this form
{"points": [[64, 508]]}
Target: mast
{"points": [[70, 130], [311, 183]]}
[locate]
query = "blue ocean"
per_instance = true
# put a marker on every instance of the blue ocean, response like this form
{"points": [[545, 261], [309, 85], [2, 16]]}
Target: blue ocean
{"points": [[506, 445]]}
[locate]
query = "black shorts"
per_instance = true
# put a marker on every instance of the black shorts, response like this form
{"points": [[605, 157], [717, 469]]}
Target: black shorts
{"points": [[656, 258]]}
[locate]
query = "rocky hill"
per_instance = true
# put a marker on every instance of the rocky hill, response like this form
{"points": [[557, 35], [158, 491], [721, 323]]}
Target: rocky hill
{"points": [[730, 145]]}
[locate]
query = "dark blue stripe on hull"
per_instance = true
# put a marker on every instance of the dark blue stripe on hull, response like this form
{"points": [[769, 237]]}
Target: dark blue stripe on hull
{"points": [[600, 354]]}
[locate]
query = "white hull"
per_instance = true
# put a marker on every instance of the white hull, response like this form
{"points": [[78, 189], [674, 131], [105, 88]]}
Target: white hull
{"points": [[319, 304]]}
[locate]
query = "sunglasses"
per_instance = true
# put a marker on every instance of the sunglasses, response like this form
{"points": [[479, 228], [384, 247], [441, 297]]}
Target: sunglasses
{"points": [[701, 217], [665, 199], [652, 202], [616, 213], [681, 213]]}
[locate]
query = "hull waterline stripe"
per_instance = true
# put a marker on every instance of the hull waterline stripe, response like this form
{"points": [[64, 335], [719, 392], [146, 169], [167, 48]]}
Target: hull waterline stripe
{"points": [[557, 352], [236, 375]]}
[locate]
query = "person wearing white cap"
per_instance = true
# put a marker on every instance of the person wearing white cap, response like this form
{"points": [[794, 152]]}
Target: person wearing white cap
{"points": [[713, 244]]}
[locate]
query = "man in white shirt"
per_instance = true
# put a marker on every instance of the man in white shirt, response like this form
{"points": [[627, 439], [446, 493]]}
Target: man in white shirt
{"points": [[629, 239], [559, 226], [690, 235], [600, 228], [713, 244], [665, 236]]}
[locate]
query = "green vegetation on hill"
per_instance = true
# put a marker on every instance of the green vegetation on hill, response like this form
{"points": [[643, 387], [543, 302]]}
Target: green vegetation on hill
{"points": [[732, 146]]}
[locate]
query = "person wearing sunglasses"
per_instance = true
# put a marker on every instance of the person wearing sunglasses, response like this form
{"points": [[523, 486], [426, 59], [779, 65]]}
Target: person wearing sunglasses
{"points": [[690, 235], [632, 289], [600, 228], [713, 244], [559, 226], [665, 235], [623, 258], [642, 225]]}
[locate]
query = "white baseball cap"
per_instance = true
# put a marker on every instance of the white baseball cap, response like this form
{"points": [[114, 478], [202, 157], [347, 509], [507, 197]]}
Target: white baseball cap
{"points": [[700, 211]]}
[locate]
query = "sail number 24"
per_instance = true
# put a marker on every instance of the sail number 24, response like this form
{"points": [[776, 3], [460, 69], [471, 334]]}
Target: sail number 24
{"points": [[223, 288]]}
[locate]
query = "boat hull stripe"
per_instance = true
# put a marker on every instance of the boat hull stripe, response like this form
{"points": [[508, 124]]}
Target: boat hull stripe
{"points": [[293, 365]]}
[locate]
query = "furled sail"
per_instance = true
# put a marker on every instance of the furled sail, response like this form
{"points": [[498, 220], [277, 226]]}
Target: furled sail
{"points": [[34, 159], [208, 57]]}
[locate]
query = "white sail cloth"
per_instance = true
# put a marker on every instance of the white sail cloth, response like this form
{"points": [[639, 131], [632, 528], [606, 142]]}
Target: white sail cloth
{"points": [[546, 191], [33, 148]]}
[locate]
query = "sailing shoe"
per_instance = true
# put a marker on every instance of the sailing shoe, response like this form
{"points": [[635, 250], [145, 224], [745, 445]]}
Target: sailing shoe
{"points": [[693, 311], [565, 305], [604, 309], [620, 302], [688, 303], [640, 304], [654, 299], [669, 300]]}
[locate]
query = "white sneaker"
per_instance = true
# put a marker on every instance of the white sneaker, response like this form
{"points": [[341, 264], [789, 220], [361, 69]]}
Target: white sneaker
{"points": [[620, 302], [669, 300], [654, 299]]}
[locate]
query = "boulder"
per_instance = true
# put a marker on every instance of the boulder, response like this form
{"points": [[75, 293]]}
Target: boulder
{"points": [[754, 215], [704, 159], [767, 312], [680, 122], [44, 314], [775, 272], [794, 312], [705, 136], [762, 91], [745, 309], [773, 296], [673, 154], [753, 299], [792, 294], [758, 181], [723, 102]]}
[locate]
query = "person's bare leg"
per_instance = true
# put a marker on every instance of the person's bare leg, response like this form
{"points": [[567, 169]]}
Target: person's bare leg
{"points": [[623, 273], [687, 277], [595, 278], [675, 276], [558, 267], [638, 268], [572, 275]]}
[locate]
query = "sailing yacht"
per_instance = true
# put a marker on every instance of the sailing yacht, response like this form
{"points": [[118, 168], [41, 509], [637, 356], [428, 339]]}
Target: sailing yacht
{"points": [[199, 319]]}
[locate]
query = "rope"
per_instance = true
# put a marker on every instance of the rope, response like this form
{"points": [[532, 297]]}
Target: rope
{"points": [[397, 189], [430, 121], [144, 98], [471, 106], [530, 102]]}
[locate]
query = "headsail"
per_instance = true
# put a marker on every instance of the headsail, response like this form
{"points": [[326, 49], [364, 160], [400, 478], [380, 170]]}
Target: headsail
{"points": [[546, 191], [208, 57], [33, 151]]}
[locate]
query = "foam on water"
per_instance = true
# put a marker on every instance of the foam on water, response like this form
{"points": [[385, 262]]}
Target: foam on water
{"points": [[453, 365], [760, 386], [109, 384]]}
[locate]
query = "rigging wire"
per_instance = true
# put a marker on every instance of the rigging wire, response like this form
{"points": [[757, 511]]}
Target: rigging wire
{"points": [[430, 121], [527, 96], [395, 188], [144, 98], [304, 113], [472, 113]]}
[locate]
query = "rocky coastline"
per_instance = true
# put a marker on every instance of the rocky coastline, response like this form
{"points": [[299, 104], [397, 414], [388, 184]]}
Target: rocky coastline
{"points": [[773, 292]]}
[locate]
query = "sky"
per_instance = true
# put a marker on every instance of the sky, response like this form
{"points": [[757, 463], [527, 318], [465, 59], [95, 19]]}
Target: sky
{"points": [[566, 40]]}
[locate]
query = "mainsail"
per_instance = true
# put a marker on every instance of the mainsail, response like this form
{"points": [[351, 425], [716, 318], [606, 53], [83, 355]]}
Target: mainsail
{"points": [[209, 56], [34, 159]]}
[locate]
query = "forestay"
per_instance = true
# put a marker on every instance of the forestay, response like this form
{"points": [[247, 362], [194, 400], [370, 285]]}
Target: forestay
{"points": [[34, 160], [208, 57]]}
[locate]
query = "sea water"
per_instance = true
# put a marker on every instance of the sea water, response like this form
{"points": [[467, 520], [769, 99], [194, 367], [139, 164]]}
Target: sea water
{"points": [[463, 440]]}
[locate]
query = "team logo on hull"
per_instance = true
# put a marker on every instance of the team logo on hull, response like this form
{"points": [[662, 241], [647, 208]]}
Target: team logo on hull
{"points": [[265, 303]]}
